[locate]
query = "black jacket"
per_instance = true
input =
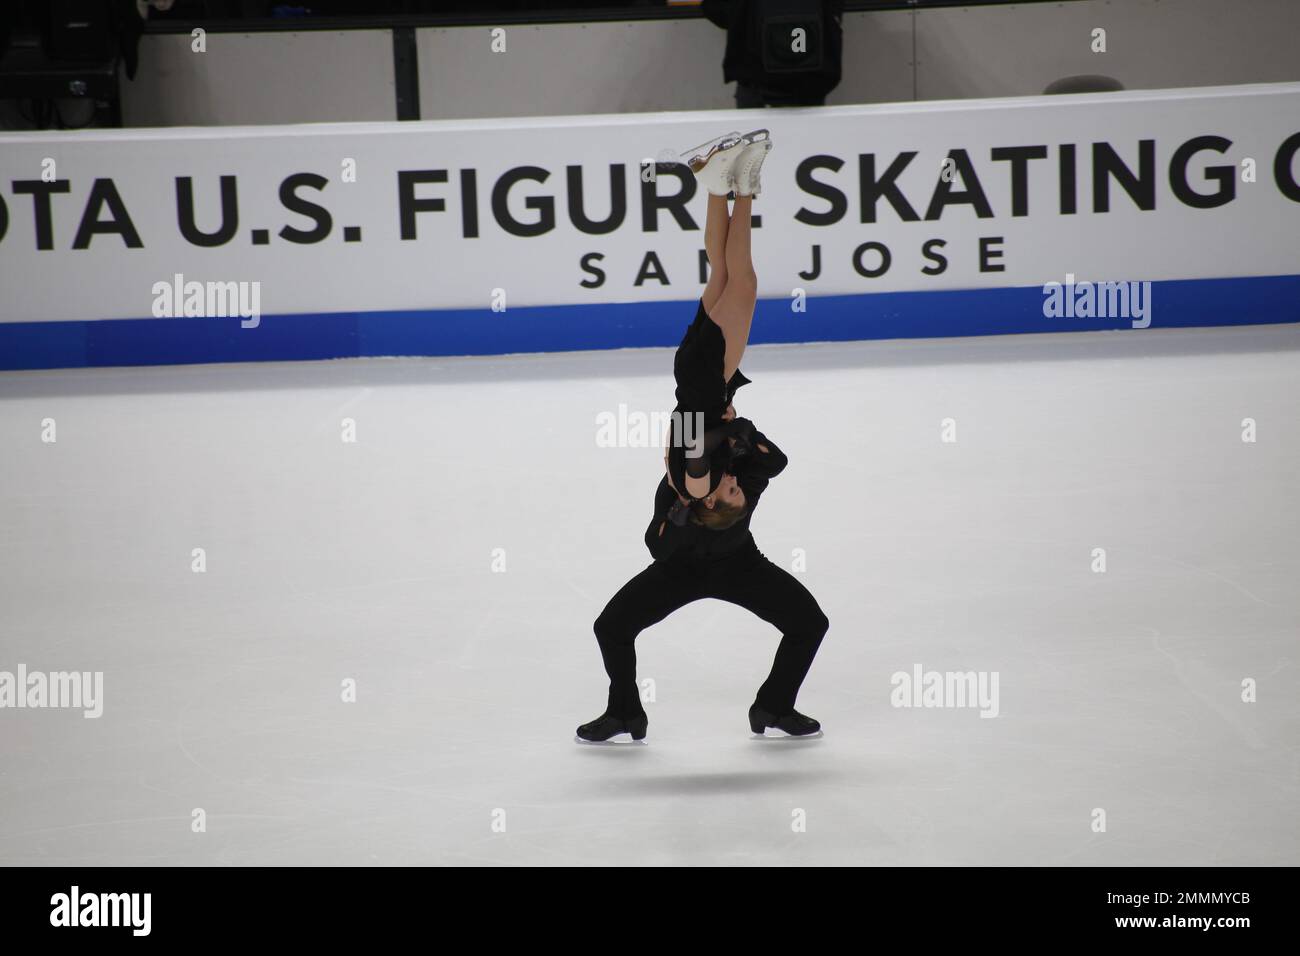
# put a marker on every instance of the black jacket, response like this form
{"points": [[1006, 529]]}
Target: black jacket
{"points": [[758, 44]]}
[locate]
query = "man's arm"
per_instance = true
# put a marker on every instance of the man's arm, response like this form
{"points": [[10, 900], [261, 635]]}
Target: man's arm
{"points": [[662, 537], [763, 463], [766, 459]]}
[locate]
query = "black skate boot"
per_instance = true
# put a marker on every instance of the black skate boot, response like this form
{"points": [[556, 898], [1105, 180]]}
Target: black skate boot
{"points": [[608, 725], [794, 723]]}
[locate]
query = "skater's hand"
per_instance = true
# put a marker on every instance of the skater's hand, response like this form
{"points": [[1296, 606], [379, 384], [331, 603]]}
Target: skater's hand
{"points": [[679, 512], [741, 437]]}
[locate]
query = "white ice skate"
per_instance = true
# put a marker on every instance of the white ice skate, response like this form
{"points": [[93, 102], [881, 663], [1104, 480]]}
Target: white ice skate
{"points": [[745, 171], [714, 162], [715, 175]]}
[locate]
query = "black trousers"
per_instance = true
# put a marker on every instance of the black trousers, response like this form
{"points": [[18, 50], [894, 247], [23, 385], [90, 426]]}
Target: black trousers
{"points": [[749, 580]]}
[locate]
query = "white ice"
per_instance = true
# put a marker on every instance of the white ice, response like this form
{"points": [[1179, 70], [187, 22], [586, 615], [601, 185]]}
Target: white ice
{"points": [[373, 561]]}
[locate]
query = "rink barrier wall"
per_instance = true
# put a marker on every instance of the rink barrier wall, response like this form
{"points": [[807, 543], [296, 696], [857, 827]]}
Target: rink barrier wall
{"points": [[1184, 303], [390, 239]]}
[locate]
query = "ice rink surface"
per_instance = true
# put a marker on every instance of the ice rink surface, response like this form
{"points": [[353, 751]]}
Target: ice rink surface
{"points": [[377, 561]]}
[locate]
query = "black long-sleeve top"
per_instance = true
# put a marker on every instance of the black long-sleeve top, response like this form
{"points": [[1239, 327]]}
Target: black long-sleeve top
{"points": [[693, 542]]}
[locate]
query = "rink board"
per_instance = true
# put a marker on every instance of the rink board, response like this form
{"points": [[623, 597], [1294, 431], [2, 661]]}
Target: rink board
{"points": [[574, 233], [1177, 304]]}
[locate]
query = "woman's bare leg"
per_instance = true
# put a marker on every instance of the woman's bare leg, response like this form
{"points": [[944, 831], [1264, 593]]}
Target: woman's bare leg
{"points": [[715, 244], [734, 309]]}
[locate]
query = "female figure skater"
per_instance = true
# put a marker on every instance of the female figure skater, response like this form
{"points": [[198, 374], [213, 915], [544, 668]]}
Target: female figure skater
{"points": [[718, 467]]}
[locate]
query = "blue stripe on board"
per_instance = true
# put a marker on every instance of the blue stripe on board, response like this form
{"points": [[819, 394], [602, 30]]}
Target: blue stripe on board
{"points": [[882, 315]]}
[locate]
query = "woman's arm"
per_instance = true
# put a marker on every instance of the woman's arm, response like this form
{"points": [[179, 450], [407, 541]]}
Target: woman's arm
{"points": [[697, 486], [693, 465]]}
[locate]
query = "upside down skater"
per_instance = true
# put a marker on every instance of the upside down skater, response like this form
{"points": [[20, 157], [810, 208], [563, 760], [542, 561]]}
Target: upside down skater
{"points": [[716, 473]]}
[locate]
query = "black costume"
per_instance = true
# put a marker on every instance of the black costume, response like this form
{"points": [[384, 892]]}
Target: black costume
{"points": [[702, 398], [692, 562]]}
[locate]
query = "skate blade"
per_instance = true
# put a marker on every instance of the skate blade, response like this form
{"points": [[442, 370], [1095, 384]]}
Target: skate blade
{"points": [[618, 740], [772, 733], [697, 157]]}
